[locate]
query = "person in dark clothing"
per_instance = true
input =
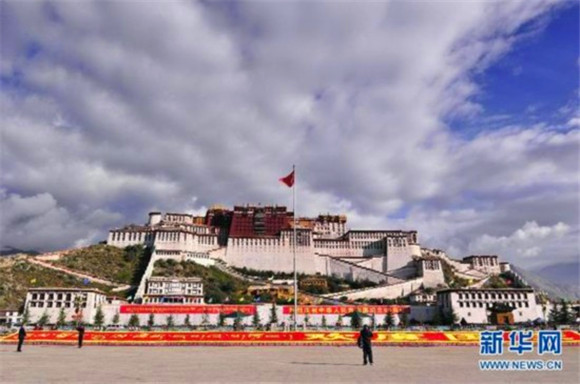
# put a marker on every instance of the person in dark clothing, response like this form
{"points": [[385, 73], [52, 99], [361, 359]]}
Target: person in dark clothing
{"points": [[81, 331], [364, 342], [21, 337]]}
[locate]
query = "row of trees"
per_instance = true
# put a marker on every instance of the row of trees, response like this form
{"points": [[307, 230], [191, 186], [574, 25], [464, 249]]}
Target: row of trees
{"points": [[98, 320], [561, 314], [356, 320]]}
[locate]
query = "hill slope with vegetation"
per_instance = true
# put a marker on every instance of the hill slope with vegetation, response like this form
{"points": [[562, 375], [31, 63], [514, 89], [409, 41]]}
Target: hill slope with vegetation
{"points": [[333, 284], [125, 266], [17, 275], [218, 286]]}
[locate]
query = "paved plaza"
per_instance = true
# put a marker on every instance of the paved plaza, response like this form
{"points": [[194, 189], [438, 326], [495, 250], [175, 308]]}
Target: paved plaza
{"points": [[67, 364]]}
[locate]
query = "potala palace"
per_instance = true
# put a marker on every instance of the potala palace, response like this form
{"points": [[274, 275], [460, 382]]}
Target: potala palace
{"points": [[261, 238]]}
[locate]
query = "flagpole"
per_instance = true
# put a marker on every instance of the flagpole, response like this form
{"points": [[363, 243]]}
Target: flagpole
{"points": [[294, 251]]}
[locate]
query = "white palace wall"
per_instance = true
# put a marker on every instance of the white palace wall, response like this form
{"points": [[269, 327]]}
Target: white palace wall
{"points": [[400, 255], [376, 250], [338, 268], [381, 292], [271, 257]]}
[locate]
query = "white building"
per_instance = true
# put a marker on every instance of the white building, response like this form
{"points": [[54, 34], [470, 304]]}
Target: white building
{"points": [[76, 303], [174, 290], [484, 263], [182, 237], [9, 317], [474, 305], [423, 298]]}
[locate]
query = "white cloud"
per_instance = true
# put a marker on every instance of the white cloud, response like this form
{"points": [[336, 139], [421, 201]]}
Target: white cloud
{"points": [[37, 222], [574, 122], [179, 105], [526, 243]]}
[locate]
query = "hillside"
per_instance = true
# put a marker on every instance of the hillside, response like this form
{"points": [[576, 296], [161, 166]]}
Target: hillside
{"points": [[219, 287], [17, 275], [9, 251], [333, 284], [564, 273], [124, 266], [554, 290]]}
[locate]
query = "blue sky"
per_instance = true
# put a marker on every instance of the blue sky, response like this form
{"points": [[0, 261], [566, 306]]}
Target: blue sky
{"points": [[458, 119], [536, 78]]}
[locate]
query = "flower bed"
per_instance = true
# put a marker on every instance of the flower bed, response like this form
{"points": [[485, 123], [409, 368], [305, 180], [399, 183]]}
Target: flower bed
{"points": [[396, 338]]}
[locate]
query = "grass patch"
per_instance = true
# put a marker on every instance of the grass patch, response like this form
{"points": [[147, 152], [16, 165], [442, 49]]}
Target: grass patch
{"points": [[18, 275], [218, 286], [124, 266], [334, 284]]}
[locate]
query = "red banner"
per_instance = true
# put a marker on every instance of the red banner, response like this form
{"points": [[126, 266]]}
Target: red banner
{"points": [[428, 338], [344, 309], [186, 309]]}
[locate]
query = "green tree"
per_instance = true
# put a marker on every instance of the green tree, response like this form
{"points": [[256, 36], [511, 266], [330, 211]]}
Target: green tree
{"points": [[437, 317], [339, 321], [389, 320], [134, 321], [256, 319], [565, 317], [151, 321], [221, 319], [99, 319], [273, 315], [205, 319], [237, 322], [306, 320], [25, 316], [355, 320], [79, 304], [404, 320], [450, 317], [323, 321], [554, 315], [116, 319], [61, 321], [170, 321], [373, 321], [187, 321], [43, 319]]}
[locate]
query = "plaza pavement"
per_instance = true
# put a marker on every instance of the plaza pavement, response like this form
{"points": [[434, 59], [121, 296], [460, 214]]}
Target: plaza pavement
{"points": [[94, 364]]}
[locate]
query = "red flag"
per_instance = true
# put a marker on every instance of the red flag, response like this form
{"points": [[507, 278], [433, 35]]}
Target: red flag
{"points": [[288, 180]]}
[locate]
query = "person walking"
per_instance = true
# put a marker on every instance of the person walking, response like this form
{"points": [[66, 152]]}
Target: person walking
{"points": [[21, 337], [364, 342], [81, 331]]}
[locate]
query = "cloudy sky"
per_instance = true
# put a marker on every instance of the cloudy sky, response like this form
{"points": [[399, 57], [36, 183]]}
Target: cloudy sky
{"points": [[458, 119]]}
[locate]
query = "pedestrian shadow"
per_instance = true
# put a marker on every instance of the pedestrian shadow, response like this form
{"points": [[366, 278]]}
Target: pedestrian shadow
{"points": [[314, 363]]}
